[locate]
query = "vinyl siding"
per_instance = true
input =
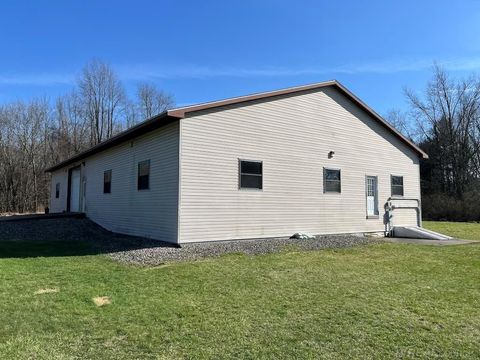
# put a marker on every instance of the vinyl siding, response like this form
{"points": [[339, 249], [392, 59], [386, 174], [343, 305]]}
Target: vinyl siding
{"points": [[150, 213], [60, 204], [292, 135]]}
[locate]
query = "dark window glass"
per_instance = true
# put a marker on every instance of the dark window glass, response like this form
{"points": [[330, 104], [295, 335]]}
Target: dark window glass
{"points": [[57, 190], [332, 181], [251, 182], [252, 167], [107, 182], [397, 185], [143, 180], [251, 174]]}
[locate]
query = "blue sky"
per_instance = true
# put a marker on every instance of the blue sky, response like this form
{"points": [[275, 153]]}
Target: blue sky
{"points": [[208, 50]]}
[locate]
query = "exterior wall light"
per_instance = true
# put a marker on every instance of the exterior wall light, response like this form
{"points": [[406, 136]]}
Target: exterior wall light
{"points": [[330, 154]]}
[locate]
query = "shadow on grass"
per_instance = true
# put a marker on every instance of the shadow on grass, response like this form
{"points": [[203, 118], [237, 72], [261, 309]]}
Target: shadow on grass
{"points": [[65, 237]]}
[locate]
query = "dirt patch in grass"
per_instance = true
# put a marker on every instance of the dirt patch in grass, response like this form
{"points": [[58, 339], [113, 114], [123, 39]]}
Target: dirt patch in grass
{"points": [[102, 300], [46, 291]]}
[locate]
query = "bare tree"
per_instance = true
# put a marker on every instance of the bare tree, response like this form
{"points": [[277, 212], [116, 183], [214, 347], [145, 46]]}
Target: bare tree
{"points": [[72, 127], [132, 115], [399, 120], [103, 98], [37, 133], [152, 101], [23, 155], [449, 119]]}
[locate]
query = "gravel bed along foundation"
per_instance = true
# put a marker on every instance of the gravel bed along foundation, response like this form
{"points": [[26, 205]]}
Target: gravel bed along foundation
{"points": [[195, 251], [142, 251]]}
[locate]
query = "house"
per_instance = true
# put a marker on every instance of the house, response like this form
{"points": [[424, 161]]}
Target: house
{"points": [[311, 158]]}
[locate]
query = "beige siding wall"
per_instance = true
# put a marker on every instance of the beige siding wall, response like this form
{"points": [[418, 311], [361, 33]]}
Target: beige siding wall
{"points": [[60, 204], [150, 213], [292, 135]]}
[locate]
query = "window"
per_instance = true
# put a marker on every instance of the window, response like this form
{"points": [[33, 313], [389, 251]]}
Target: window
{"points": [[397, 185], [251, 173], [57, 190], [107, 182], [143, 180], [331, 181]]}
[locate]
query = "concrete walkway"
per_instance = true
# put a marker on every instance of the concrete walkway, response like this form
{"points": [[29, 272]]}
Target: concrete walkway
{"points": [[429, 242]]}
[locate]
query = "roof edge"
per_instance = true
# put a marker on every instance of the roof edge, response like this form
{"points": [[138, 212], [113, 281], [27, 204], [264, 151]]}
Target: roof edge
{"points": [[182, 111], [131, 133], [384, 122]]}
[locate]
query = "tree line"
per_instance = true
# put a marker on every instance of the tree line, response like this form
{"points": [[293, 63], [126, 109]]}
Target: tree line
{"points": [[445, 122], [38, 133]]}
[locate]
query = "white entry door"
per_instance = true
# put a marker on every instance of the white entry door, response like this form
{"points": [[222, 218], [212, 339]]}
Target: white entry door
{"points": [[75, 191], [372, 202]]}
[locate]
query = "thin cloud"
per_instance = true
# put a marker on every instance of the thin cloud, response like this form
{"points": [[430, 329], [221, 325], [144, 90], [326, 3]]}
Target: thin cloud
{"points": [[145, 72], [44, 79]]}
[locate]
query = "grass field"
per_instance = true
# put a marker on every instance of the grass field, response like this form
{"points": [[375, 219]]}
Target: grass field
{"points": [[466, 231], [377, 301]]}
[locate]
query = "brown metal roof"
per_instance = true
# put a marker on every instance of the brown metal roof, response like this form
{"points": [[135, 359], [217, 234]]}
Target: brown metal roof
{"points": [[179, 113], [135, 131]]}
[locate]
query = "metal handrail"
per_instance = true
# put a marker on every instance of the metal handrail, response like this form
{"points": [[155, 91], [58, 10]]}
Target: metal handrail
{"points": [[389, 207]]}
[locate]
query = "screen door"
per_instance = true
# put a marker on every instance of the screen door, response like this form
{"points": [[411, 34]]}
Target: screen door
{"points": [[372, 194]]}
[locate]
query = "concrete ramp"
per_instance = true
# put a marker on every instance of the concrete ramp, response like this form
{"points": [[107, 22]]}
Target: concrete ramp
{"points": [[415, 232]]}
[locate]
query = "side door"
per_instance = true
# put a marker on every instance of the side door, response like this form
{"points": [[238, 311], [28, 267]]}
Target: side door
{"points": [[75, 190], [371, 189]]}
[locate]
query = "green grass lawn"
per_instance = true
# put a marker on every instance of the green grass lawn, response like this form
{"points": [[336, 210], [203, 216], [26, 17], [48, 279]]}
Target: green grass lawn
{"points": [[459, 230], [378, 301]]}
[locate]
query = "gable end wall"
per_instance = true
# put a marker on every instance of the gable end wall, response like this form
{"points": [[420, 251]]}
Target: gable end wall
{"points": [[292, 135]]}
